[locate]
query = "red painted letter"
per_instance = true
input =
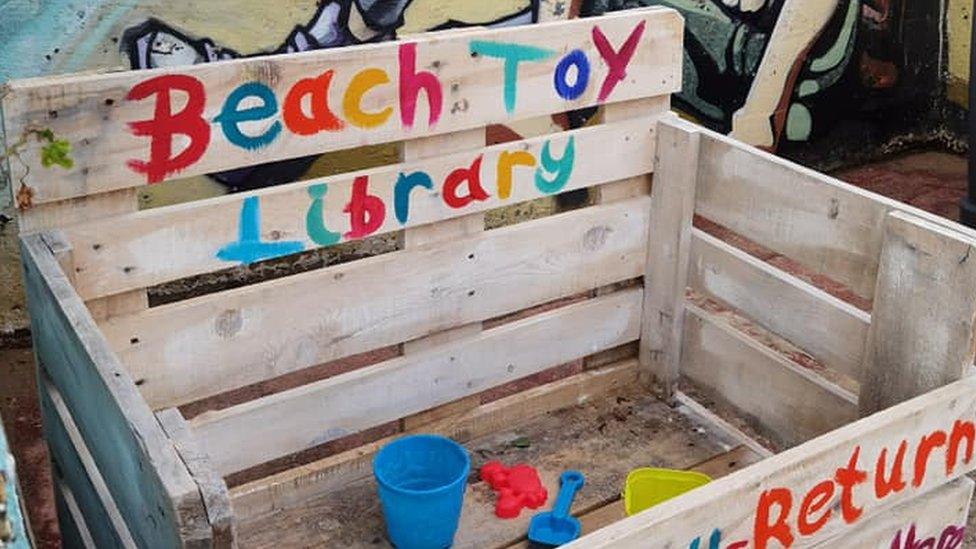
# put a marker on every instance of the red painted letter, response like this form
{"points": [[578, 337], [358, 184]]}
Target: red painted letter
{"points": [[165, 124], [411, 82], [616, 61], [322, 117], [816, 498], [894, 482], [475, 191], [366, 212], [925, 446], [763, 530], [849, 477], [960, 430]]}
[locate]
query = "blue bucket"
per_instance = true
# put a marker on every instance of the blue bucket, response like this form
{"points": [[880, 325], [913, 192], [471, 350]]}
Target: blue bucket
{"points": [[421, 481]]}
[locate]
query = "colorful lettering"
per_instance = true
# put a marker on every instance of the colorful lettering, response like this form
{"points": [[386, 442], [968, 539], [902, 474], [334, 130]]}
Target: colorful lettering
{"points": [[765, 530], [560, 169], [315, 218], [616, 61], [952, 538], [925, 446], [893, 483], [364, 81], [815, 500], [249, 248], [848, 477], [507, 160], [575, 58], [366, 212], [401, 192], [322, 119], [165, 124], [960, 430], [713, 541], [232, 115], [411, 82], [472, 176], [513, 54]]}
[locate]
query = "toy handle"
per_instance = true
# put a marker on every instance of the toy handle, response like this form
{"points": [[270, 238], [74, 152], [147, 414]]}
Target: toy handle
{"points": [[569, 483]]}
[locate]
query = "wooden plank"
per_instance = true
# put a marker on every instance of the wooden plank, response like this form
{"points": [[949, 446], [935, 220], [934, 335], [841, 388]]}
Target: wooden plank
{"points": [[790, 402], [71, 521], [154, 492], [921, 334], [939, 515], [669, 246], [160, 244], [722, 425], [187, 350], [313, 414], [77, 210], [439, 233], [827, 225], [836, 460], [295, 486], [464, 69], [832, 331], [213, 490], [81, 475], [641, 184]]}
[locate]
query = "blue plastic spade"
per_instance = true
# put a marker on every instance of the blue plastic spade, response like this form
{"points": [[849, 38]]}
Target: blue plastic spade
{"points": [[557, 527]]}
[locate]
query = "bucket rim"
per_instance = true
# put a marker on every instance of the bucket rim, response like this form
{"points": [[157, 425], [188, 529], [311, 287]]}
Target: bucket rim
{"points": [[454, 447]]}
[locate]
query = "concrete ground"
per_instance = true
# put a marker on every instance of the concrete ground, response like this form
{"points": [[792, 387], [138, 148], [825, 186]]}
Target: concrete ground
{"points": [[933, 181]]}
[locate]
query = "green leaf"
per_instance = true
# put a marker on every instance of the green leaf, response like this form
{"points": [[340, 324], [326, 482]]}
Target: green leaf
{"points": [[57, 153]]}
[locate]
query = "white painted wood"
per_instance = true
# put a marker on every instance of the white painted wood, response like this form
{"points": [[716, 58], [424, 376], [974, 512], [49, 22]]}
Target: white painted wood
{"points": [[921, 334], [93, 112], [254, 432], [827, 225], [437, 233], [730, 504], [161, 244], [930, 515], [830, 330], [641, 184], [213, 489], [293, 487], [789, 402], [668, 253], [203, 346]]}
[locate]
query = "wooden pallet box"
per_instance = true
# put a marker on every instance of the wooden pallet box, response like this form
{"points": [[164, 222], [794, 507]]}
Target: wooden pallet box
{"points": [[601, 338]]}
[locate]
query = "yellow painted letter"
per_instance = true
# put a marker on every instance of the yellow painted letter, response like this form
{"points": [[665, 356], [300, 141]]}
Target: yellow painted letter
{"points": [[506, 161], [364, 81]]}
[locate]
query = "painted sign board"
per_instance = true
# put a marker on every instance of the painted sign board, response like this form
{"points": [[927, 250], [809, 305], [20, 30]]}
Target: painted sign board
{"points": [[825, 489], [149, 126]]}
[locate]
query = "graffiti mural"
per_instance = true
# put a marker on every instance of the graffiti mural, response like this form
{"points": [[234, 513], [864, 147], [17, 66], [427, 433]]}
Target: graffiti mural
{"points": [[750, 64], [776, 71]]}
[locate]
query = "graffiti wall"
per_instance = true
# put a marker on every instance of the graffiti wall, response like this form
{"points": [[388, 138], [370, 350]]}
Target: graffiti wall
{"points": [[774, 72]]}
